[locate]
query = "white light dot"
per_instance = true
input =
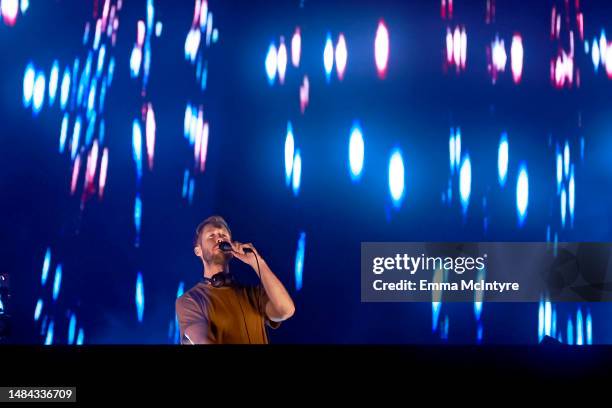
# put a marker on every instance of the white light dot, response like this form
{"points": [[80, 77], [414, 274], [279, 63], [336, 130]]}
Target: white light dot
{"points": [[341, 56], [281, 60], [356, 151], [271, 64], [296, 47], [38, 97], [563, 204], [516, 58], [328, 56], [289, 153], [28, 84], [595, 55], [396, 177], [381, 49], [135, 60]]}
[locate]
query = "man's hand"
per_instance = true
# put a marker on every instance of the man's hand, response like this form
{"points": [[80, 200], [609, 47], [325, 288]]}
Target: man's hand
{"points": [[248, 257]]}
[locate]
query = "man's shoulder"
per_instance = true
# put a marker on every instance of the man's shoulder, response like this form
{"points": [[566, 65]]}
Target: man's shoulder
{"points": [[192, 295]]}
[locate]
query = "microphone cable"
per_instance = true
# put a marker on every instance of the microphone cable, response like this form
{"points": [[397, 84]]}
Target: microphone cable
{"points": [[248, 250]]}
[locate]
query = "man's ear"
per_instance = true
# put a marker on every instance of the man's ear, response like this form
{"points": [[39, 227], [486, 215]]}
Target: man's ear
{"points": [[198, 251]]}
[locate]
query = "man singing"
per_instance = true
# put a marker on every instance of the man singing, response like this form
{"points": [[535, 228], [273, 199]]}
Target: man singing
{"points": [[218, 310]]}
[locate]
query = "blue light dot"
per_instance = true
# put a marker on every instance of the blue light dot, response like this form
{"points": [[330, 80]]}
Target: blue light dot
{"points": [[559, 171], [137, 218], [563, 206], [566, 159], [299, 261], [57, 282], [465, 182], [101, 55], [589, 328], [49, 337], [76, 135], [540, 320], [579, 328], [46, 267], [137, 147], [139, 297], [80, 338], [522, 194], [38, 310], [457, 147], [451, 149], [571, 195], [71, 329], [502, 160], [297, 173]]}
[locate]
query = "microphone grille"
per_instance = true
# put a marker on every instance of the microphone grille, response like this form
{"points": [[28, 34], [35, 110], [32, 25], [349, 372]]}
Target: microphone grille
{"points": [[225, 246]]}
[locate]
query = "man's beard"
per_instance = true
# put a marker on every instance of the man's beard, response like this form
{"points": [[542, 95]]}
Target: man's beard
{"points": [[217, 258]]}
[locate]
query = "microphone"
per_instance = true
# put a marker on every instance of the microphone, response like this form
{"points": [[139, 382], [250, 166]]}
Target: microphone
{"points": [[227, 247]]}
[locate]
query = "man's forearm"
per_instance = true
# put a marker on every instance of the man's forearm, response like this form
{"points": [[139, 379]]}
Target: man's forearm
{"points": [[280, 306]]}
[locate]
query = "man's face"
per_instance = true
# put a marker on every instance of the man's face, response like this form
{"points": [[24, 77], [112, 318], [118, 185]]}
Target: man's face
{"points": [[210, 238]]}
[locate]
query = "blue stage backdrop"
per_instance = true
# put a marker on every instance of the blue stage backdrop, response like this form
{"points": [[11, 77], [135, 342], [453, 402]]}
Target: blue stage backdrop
{"points": [[311, 126]]}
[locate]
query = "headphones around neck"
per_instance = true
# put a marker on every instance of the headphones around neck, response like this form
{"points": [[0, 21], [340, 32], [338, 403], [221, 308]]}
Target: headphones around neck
{"points": [[219, 279]]}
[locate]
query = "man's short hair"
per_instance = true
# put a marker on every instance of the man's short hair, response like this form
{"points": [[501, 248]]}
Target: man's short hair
{"points": [[215, 221]]}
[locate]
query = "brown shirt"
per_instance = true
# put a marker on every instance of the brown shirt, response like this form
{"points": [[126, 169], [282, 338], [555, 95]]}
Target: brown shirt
{"points": [[226, 315]]}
